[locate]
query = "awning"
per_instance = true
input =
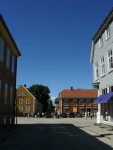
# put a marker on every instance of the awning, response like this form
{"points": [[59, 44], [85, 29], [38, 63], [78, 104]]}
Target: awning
{"points": [[98, 99], [104, 98]]}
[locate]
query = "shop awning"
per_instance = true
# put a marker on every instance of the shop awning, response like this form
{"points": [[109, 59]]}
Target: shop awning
{"points": [[98, 99], [104, 98]]}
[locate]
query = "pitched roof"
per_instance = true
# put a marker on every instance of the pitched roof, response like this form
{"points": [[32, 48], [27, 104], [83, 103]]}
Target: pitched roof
{"points": [[79, 93], [101, 29], [22, 86], [2, 20]]}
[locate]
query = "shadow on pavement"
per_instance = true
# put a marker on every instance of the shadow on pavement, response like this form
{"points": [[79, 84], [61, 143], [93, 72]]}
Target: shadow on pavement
{"points": [[50, 137]]}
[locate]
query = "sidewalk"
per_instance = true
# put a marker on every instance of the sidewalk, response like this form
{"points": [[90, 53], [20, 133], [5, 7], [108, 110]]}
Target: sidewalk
{"points": [[8, 131]]}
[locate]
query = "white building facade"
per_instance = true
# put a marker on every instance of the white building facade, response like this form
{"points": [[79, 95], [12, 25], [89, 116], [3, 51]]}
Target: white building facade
{"points": [[102, 60]]}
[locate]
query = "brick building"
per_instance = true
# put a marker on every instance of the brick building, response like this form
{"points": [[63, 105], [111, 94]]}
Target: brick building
{"points": [[77, 101], [8, 66]]}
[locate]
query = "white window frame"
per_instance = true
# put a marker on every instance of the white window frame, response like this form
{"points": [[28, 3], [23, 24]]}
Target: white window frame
{"points": [[88, 102], [18, 93], [101, 42], [21, 101], [1, 49], [74, 102], [107, 33], [81, 102], [28, 108], [102, 64], [28, 101], [24, 93], [20, 108], [8, 58], [66, 102], [110, 60], [96, 70]]}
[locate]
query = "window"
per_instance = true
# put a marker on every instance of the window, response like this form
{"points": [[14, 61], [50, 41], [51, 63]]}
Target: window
{"points": [[100, 42], [18, 93], [20, 108], [81, 110], [111, 89], [110, 60], [24, 93], [11, 95], [81, 103], [27, 108], [107, 33], [6, 93], [8, 58], [104, 91], [21, 101], [28, 101], [66, 103], [13, 64], [1, 49], [88, 102], [96, 71], [102, 66], [74, 102]]}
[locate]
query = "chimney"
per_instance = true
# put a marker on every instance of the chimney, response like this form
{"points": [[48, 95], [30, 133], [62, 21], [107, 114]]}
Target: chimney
{"points": [[25, 85], [71, 87]]}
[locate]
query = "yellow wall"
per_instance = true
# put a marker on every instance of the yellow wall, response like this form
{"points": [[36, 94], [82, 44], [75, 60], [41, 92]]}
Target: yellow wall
{"points": [[20, 90]]}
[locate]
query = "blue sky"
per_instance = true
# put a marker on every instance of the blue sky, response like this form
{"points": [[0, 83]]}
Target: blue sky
{"points": [[54, 38]]}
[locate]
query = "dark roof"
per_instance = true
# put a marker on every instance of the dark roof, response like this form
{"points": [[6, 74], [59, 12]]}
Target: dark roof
{"points": [[1, 18], [104, 25]]}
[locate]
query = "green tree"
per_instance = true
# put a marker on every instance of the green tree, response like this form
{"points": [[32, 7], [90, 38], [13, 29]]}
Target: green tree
{"points": [[41, 93]]}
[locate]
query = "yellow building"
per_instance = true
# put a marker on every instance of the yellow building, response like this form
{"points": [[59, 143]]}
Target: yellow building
{"points": [[26, 103]]}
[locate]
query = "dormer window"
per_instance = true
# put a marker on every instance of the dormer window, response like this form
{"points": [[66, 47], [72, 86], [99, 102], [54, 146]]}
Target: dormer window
{"points": [[107, 33], [100, 42]]}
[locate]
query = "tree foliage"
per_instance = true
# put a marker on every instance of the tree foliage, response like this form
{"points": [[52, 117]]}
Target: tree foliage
{"points": [[41, 93]]}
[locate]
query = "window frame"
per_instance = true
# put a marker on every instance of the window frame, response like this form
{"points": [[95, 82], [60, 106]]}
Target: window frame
{"points": [[87, 102], [28, 108], [101, 42], [74, 102], [1, 49], [28, 101], [8, 58], [66, 102], [21, 108], [102, 64], [21, 101], [5, 93], [107, 33], [96, 71], [110, 60], [81, 100]]}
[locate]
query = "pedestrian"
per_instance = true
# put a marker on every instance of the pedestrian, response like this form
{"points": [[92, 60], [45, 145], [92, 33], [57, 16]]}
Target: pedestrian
{"points": [[91, 115], [85, 115]]}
